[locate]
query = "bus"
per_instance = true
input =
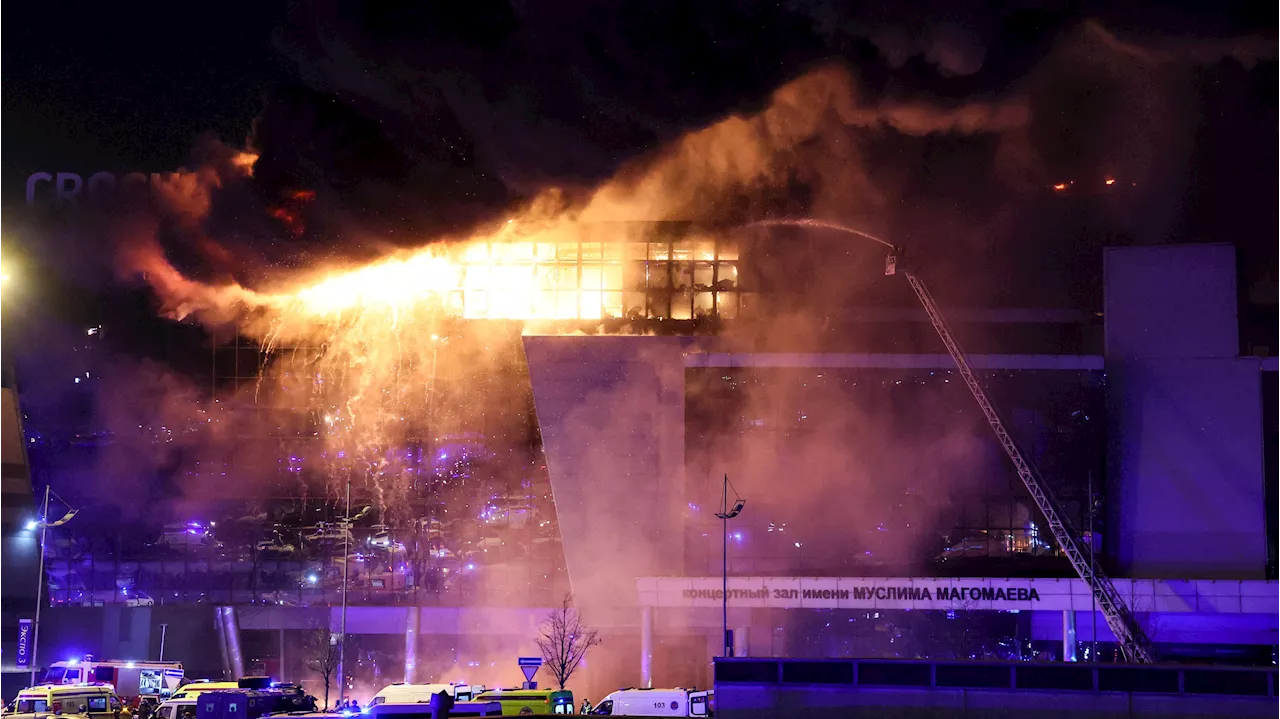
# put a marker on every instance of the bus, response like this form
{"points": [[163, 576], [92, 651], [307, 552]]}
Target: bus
{"points": [[530, 701]]}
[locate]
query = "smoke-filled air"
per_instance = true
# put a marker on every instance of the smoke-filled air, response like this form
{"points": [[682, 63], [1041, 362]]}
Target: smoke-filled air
{"points": [[358, 349], [378, 284]]}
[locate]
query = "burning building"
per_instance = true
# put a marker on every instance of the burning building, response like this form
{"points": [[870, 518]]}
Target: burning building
{"points": [[529, 442], [548, 404]]}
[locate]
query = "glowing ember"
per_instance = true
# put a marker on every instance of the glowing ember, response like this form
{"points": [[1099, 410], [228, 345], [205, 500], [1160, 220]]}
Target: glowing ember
{"points": [[1060, 187], [1111, 180], [245, 161]]}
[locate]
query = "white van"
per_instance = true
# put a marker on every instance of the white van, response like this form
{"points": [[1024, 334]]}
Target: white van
{"points": [[656, 703], [401, 693], [178, 708]]}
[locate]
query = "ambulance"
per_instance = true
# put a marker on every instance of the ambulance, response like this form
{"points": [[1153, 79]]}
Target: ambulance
{"points": [[189, 691], [657, 703], [182, 705], [95, 700], [405, 693]]}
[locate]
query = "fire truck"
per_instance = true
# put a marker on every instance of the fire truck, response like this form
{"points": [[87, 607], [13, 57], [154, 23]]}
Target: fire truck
{"points": [[131, 679]]}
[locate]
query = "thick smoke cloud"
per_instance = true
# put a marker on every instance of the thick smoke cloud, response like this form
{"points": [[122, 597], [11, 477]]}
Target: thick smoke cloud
{"points": [[366, 156], [409, 128], [412, 123]]}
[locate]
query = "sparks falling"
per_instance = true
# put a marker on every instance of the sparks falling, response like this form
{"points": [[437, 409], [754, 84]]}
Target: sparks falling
{"points": [[356, 354]]}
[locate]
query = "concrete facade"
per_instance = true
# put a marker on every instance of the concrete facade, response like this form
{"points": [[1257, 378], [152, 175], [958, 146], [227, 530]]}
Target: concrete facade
{"points": [[611, 413], [1185, 476]]}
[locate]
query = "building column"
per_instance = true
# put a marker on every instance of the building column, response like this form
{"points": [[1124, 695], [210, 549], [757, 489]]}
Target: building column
{"points": [[1069, 635], [740, 645], [232, 633], [411, 644], [222, 641], [646, 646]]}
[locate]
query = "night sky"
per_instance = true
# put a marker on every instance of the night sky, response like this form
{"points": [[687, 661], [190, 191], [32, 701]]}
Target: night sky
{"points": [[412, 119]]}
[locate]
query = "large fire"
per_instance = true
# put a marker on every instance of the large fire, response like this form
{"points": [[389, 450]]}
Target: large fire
{"points": [[360, 351], [371, 359], [531, 279]]}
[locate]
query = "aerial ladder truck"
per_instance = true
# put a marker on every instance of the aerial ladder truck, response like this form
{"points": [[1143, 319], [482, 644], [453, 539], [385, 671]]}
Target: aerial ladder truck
{"points": [[1133, 641]]}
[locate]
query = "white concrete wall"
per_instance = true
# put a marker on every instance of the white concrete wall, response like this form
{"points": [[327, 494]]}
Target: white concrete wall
{"points": [[611, 412], [1185, 485]]}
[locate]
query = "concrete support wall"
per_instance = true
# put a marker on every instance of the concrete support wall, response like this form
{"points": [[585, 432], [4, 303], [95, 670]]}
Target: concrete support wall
{"points": [[611, 412], [1185, 485], [20, 549]]}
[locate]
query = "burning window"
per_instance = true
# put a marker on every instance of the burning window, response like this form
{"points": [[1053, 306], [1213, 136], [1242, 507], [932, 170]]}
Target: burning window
{"points": [[587, 280]]}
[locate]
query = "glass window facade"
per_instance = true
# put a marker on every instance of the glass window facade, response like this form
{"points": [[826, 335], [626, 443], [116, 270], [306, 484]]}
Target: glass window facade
{"points": [[857, 472], [682, 277]]}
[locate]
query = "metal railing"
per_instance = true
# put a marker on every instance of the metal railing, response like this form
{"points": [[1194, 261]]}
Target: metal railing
{"points": [[1070, 677]]}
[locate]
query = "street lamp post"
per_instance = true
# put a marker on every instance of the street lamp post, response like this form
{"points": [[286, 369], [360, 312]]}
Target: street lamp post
{"points": [[35, 628], [346, 564], [347, 521], [44, 525], [724, 515]]}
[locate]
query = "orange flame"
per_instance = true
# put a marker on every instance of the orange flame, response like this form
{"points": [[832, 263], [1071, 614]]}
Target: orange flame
{"points": [[368, 337], [245, 161]]}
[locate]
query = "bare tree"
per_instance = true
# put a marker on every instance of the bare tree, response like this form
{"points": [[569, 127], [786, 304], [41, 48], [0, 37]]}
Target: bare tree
{"points": [[321, 655], [564, 641]]}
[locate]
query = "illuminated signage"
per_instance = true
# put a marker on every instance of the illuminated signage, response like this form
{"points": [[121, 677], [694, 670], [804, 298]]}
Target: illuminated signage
{"points": [[940, 593], [71, 186], [23, 651], [883, 593]]}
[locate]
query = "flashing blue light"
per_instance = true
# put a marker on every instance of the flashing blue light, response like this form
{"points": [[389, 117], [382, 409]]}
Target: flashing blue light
{"points": [[129, 665], [32, 525], [72, 662], [471, 566], [311, 578], [737, 536], [365, 710]]}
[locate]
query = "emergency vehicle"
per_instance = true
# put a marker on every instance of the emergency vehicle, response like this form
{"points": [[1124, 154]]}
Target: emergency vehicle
{"points": [[529, 701], [404, 693], [95, 700], [251, 703], [189, 691], [426, 710], [131, 679], [677, 702]]}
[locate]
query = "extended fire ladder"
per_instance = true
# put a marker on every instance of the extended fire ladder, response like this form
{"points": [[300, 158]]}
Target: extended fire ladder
{"points": [[1134, 643]]}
